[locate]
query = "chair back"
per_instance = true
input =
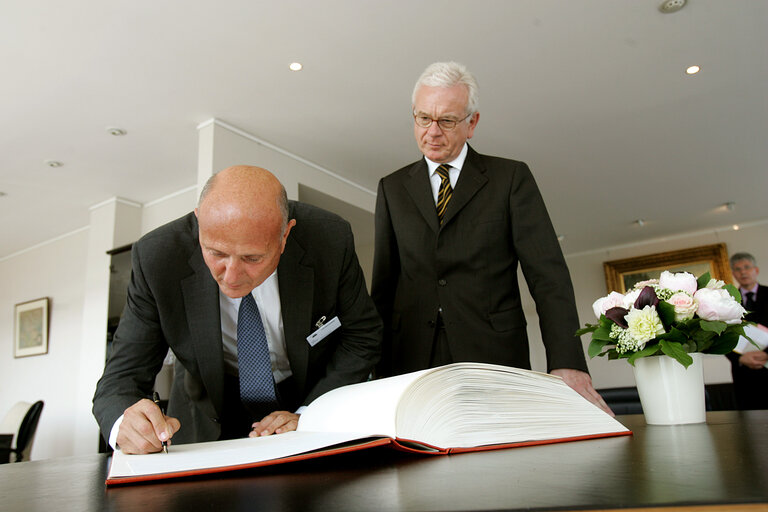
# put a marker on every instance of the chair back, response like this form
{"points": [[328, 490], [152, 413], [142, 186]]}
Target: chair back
{"points": [[21, 421]]}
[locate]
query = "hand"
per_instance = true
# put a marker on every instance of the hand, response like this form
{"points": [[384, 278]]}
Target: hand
{"points": [[753, 360], [144, 428], [277, 422], [582, 383]]}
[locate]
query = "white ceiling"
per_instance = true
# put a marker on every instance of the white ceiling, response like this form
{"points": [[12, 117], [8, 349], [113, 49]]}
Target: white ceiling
{"points": [[591, 93]]}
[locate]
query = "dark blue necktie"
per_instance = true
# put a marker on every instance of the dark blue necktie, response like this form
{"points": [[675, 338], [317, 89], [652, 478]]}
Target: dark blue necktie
{"points": [[257, 385]]}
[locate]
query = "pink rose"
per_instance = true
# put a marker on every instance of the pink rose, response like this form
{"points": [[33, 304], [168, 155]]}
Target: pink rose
{"points": [[718, 304], [679, 282], [603, 304], [685, 306]]}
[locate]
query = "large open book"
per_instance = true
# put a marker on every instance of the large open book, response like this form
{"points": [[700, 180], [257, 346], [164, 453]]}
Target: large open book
{"points": [[450, 409]]}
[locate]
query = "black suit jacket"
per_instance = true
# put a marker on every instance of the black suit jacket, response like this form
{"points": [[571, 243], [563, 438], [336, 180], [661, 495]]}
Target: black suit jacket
{"points": [[173, 302], [751, 386], [495, 220]]}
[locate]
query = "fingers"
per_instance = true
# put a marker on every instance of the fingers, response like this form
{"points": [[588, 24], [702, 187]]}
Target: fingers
{"points": [[581, 382], [144, 428], [754, 360], [277, 422]]}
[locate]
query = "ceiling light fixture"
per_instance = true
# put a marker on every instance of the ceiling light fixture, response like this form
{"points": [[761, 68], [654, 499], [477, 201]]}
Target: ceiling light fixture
{"points": [[692, 70], [295, 66], [560, 238], [670, 6], [640, 222], [736, 227], [53, 163], [730, 206], [117, 132]]}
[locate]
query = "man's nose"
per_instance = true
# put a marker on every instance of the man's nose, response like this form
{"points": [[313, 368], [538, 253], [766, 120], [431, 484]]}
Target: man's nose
{"points": [[434, 129]]}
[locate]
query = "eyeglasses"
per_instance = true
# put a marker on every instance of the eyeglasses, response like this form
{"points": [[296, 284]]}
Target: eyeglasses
{"points": [[447, 125]]}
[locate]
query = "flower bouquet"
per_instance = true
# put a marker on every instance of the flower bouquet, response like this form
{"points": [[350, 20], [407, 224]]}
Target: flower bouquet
{"points": [[674, 315]]}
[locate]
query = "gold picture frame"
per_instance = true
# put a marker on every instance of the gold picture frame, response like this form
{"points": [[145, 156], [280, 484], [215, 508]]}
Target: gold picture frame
{"points": [[621, 275], [31, 328]]}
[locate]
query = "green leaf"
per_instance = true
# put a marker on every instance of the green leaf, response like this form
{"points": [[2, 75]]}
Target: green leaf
{"points": [[649, 350], [674, 334], [734, 292], [676, 351], [587, 329], [596, 347], [666, 312], [703, 279], [716, 326], [724, 344]]}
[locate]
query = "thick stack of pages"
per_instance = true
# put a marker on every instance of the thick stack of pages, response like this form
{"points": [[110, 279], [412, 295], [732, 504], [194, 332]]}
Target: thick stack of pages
{"points": [[454, 408]]}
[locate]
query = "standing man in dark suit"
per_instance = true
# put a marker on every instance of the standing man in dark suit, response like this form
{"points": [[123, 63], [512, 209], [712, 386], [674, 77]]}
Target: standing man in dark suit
{"points": [[245, 244], [450, 232], [750, 377]]}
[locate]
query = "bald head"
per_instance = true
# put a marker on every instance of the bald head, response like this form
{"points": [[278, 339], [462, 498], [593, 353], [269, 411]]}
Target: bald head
{"points": [[243, 226]]}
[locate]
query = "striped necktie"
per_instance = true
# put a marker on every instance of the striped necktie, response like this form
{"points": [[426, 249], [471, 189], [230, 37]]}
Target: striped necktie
{"points": [[445, 192], [257, 385]]}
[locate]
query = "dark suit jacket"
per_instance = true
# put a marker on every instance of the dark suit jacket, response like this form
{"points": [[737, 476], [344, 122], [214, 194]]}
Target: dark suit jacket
{"points": [[173, 301], [469, 267], [750, 387]]}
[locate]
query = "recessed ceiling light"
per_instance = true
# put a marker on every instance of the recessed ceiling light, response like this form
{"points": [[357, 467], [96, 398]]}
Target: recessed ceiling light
{"points": [[295, 66], [730, 206], [735, 227], [560, 238], [692, 70], [640, 222], [117, 132], [53, 163], [668, 6]]}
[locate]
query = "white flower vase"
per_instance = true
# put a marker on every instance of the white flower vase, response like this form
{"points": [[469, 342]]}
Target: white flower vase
{"points": [[670, 393]]}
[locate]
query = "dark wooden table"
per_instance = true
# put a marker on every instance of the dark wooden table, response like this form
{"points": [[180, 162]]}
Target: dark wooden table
{"points": [[724, 461]]}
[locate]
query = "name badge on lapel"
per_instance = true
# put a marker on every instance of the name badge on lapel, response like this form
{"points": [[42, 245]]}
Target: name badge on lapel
{"points": [[323, 329]]}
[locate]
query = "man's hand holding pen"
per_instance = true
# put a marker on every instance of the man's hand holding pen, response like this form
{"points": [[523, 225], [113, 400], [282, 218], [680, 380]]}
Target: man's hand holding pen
{"points": [[145, 428]]}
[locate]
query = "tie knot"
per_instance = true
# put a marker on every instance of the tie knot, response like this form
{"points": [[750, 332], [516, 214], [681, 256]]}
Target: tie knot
{"points": [[442, 171]]}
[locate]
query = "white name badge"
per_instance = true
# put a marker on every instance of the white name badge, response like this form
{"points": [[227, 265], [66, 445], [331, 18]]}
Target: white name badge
{"points": [[323, 330]]}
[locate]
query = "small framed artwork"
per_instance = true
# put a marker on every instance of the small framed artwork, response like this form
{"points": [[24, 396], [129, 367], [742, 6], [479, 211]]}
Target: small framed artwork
{"points": [[31, 334], [621, 275]]}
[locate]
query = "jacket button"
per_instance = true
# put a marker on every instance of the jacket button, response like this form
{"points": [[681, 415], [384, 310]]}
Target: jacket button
{"points": [[442, 282]]}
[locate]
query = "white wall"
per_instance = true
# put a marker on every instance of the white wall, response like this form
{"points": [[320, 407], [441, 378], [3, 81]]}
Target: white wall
{"points": [[55, 270]]}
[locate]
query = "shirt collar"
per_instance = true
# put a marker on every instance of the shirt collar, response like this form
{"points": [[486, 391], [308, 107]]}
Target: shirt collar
{"points": [[744, 291], [458, 163]]}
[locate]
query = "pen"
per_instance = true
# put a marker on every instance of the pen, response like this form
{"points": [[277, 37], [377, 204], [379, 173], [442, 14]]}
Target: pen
{"points": [[156, 399]]}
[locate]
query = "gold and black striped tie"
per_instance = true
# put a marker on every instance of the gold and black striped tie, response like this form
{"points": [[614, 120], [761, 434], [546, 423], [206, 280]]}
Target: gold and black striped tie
{"points": [[445, 191]]}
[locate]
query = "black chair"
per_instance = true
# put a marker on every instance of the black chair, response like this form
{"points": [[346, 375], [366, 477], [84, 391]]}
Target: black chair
{"points": [[26, 429]]}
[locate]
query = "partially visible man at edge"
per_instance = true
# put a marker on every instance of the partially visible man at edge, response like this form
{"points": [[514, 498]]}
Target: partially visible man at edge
{"points": [[750, 377], [449, 239], [299, 264]]}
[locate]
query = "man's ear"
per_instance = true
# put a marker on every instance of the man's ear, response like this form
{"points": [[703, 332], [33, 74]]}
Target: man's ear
{"points": [[288, 228]]}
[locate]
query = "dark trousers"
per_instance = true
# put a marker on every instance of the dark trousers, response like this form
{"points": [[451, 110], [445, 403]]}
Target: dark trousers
{"points": [[441, 352], [237, 419]]}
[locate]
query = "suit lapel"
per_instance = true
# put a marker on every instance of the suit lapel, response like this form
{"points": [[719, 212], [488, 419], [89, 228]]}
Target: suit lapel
{"points": [[471, 179], [201, 303], [296, 281], [418, 187]]}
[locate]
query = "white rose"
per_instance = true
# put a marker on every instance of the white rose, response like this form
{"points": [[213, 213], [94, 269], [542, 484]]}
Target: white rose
{"points": [[630, 298], [718, 304], [679, 282], [644, 324], [603, 304], [685, 306], [715, 284]]}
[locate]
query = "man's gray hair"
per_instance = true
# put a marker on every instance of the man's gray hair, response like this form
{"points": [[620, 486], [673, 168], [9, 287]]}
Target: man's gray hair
{"points": [[743, 256], [448, 74]]}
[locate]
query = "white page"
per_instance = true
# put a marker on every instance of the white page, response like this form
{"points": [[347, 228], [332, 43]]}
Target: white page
{"points": [[189, 457], [758, 334], [367, 408]]}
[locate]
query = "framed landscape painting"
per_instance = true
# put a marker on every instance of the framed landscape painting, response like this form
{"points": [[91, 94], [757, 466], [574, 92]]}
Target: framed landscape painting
{"points": [[31, 332], [621, 275]]}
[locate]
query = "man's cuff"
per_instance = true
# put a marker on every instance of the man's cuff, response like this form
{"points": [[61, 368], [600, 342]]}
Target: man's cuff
{"points": [[114, 431]]}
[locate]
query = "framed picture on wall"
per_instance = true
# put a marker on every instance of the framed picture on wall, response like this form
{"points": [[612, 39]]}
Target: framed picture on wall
{"points": [[621, 275], [31, 328]]}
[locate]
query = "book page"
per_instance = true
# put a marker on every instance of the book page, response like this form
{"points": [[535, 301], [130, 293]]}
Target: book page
{"points": [[473, 404], [234, 452], [759, 335], [366, 408]]}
